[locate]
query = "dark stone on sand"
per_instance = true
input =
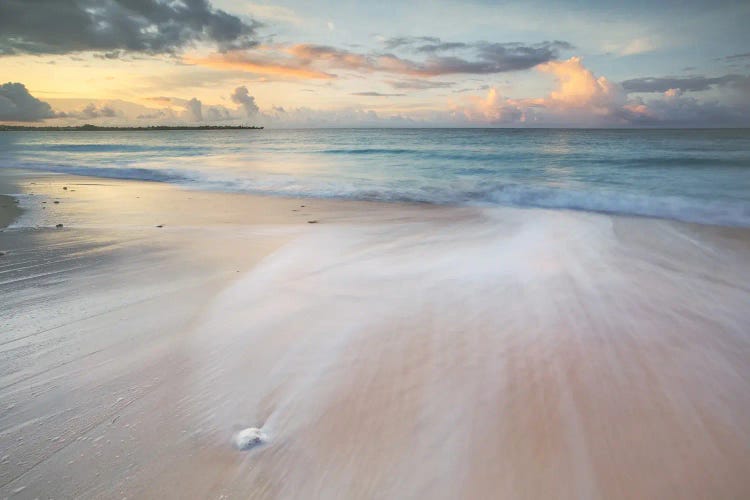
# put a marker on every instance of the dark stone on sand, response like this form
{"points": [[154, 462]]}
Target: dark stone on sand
{"points": [[65, 188], [160, 225], [59, 226], [312, 222], [55, 202]]}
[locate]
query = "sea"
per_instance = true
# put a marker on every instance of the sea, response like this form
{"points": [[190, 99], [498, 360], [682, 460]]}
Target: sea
{"points": [[698, 176]]}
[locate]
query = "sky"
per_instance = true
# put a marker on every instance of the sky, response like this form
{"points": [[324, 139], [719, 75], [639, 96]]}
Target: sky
{"points": [[337, 63]]}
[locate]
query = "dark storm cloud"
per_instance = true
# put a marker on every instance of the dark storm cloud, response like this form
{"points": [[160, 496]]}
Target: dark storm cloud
{"points": [[18, 105], [687, 84], [111, 26]]}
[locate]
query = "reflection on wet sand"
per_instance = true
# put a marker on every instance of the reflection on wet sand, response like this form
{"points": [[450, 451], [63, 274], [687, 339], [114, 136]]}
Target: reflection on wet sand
{"points": [[513, 355]]}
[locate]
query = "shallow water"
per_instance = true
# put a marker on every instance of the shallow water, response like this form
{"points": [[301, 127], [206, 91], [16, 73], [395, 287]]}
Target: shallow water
{"points": [[691, 175]]}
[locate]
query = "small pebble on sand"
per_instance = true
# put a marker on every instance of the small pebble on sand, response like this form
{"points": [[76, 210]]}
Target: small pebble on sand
{"points": [[249, 438]]}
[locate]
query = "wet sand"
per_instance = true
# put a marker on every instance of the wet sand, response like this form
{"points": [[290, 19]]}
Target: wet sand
{"points": [[9, 210], [388, 351]]}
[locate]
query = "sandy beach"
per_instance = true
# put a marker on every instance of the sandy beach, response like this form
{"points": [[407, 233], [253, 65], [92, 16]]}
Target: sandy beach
{"points": [[138, 338]]}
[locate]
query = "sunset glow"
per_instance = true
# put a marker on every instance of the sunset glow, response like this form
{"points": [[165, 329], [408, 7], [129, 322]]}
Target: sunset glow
{"points": [[480, 63]]}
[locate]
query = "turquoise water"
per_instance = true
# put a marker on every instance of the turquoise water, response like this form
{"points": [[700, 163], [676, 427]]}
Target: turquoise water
{"points": [[693, 175]]}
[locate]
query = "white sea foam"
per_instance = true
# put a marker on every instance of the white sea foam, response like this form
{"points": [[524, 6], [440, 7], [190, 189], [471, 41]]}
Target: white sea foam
{"points": [[619, 172]]}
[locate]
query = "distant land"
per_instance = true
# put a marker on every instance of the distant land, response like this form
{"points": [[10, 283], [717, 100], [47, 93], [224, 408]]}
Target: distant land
{"points": [[96, 128]]}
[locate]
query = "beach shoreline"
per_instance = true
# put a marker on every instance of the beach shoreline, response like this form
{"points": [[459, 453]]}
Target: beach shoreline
{"points": [[385, 349]]}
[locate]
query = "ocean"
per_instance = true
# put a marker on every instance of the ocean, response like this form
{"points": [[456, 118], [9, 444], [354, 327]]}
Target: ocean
{"points": [[691, 175]]}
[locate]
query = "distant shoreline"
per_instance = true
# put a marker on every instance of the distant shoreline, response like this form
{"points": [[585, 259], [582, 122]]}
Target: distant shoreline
{"points": [[95, 128]]}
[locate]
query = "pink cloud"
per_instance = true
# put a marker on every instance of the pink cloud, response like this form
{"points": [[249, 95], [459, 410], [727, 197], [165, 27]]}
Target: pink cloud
{"points": [[580, 98], [580, 90]]}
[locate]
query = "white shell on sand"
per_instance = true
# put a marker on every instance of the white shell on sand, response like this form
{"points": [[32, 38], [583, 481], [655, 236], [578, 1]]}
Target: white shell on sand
{"points": [[249, 438]]}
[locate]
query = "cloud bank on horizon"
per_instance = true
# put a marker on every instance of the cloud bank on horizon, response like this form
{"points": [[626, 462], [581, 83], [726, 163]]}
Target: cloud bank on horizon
{"points": [[294, 63]]}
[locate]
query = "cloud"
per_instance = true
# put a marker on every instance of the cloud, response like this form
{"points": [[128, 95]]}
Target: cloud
{"points": [[686, 84], [633, 46], [583, 99], [377, 94], [580, 90], [673, 108], [18, 105], [493, 109], [160, 114], [432, 45], [418, 84], [274, 13], [467, 89], [313, 61], [91, 111], [190, 110], [346, 117], [735, 57], [408, 41], [259, 64], [488, 58], [218, 113], [427, 44], [580, 99], [194, 109], [110, 26], [242, 97]]}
